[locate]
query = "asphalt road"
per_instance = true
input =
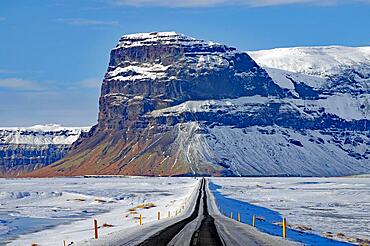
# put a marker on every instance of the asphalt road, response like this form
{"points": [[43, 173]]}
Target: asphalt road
{"points": [[165, 236], [207, 234], [204, 235], [206, 227]]}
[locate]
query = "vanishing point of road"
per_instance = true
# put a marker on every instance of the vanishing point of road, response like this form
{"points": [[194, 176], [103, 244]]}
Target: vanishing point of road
{"points": [[205, 227]]}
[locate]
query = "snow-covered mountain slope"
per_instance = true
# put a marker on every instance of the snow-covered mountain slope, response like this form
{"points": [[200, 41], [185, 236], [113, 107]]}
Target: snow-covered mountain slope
{"points": [[330, 69], [284, 151], [320, 61], [259, 135], [23, 149]]}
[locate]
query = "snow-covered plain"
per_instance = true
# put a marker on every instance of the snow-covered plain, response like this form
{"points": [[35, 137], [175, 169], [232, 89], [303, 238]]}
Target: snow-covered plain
{"points": [[48, 211], [335, 205]]}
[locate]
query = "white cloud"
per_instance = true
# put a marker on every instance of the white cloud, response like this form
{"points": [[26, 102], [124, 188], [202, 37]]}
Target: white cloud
{"points": [[251, 3], [19, 84], [90, 83], [173, 3], [86, 22]]}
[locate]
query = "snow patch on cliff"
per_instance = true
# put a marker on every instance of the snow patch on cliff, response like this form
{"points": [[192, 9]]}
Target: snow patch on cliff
{"points": [[344, 106]]}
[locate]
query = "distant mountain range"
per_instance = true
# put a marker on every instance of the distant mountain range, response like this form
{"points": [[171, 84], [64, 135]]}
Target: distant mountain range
{"points": [[175, 105]]}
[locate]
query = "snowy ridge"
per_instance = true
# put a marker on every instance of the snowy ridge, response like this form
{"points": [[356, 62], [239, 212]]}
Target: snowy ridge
{"points": [[41, 134], [153, 38], [320, 61], [329, 69]]}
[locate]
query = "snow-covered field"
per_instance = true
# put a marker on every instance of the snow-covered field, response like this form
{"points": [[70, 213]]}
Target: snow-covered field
{"points": [[335, 205], [48, 211]]}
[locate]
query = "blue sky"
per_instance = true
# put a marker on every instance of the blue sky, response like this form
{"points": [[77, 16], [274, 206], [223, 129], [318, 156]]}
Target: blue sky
{"points": [[53, 54]]}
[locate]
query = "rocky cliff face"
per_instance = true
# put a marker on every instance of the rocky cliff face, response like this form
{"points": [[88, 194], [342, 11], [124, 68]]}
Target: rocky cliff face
{"points": [[174, 105], [18, 159], [157, 70], [23, 150]]}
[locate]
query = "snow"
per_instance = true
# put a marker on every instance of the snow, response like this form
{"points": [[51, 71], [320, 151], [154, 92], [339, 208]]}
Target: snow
{"points": [[211, 61], [270, 150], [336, 205], [147, 39], [146, 35], [283, 78], [63, 208], [41, 134], [44, 128], [319, 61], [139, 72], [327, 68], [343, 105], [192, 146]]}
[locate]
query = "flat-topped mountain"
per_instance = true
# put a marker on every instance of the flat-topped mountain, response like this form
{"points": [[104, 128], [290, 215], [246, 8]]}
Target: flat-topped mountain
{"points": [[156, 70], [175, 105]]}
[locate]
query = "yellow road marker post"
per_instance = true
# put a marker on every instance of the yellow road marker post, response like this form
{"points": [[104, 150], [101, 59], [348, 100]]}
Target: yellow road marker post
{"points": [[254, 221], [284, 228]]}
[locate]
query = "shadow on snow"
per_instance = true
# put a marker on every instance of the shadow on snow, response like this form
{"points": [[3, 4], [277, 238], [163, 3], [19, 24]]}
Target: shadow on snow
{"points": [[227, 205]]}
